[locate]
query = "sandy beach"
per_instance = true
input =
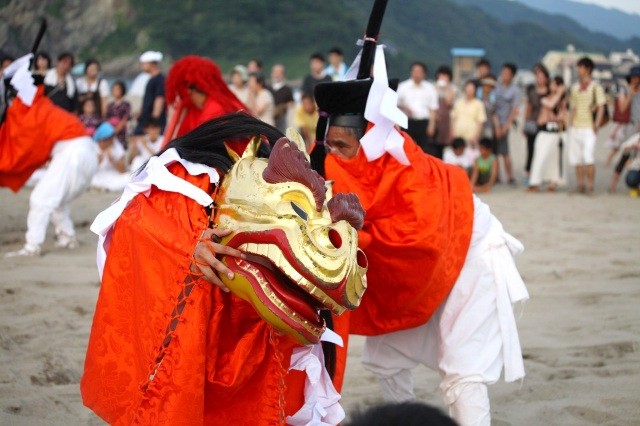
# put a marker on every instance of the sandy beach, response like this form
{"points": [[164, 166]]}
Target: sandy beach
{"points": [[580, 332]]}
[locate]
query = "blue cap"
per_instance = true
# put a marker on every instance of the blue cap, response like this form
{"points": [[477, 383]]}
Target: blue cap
{"points": [[104, 131]]}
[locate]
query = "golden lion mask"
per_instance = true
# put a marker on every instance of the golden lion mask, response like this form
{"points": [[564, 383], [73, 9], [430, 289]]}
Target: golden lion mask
{"points": [[302, 244]]}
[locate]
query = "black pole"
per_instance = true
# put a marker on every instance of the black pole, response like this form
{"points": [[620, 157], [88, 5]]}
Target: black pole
{"points": [[9, 91], [370, 38], [39, 36]]}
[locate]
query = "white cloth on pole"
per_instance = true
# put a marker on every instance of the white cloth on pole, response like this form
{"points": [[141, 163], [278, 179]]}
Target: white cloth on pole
{"points": [[21, 79], [382, 111]]}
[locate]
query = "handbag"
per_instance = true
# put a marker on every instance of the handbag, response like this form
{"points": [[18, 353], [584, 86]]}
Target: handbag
{"points": [[594, 113], [620, 116]]}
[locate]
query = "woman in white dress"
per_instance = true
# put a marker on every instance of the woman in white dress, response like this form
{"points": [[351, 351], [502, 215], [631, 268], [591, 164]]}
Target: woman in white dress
{"points": [[546, 165]]}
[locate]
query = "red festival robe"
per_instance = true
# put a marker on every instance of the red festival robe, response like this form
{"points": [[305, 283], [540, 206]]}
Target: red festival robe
{"points": [[416, 234], [28, 135], [223, 365]]}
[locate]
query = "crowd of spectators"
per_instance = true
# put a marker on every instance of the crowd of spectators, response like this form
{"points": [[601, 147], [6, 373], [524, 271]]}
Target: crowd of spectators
{"points": [[470, 125], [474, 127]]}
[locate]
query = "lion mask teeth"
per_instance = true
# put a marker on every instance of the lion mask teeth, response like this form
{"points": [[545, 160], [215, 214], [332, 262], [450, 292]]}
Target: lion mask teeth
{"points": [[278, 210]]}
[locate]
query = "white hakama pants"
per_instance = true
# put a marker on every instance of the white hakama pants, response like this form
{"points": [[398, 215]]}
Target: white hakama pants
{"points": [[73, 164], [470, 338]]}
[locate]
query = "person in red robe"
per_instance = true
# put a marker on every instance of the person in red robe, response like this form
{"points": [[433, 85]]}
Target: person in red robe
{"points": [[169, 344], [441, 278], [33, 132], [197, 90]]}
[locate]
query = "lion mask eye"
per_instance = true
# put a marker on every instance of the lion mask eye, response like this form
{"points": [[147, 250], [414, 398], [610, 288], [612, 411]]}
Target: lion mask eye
{"points": [[299, 211]]}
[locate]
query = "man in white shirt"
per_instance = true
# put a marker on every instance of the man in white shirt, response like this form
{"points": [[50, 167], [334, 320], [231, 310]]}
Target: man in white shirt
{"points": [[418, 98]]}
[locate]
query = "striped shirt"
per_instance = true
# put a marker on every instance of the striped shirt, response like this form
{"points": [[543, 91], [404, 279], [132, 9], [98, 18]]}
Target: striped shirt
{"points": [[583, 102]]}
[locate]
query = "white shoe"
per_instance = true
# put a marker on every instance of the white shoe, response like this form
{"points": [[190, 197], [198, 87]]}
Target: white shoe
{"points": [[64, 241], [27, 250]]}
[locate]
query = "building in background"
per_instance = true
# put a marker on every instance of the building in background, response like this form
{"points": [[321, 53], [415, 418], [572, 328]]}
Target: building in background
{"points": [[464, 63], [563, 63], [622, 63]]}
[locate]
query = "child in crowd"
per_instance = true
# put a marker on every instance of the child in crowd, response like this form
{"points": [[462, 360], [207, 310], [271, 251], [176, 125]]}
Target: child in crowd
{"points": [[305, 119], [89, 116], [119, 112], [147, 145], [460, 155], [112, 172], [485, 168]]}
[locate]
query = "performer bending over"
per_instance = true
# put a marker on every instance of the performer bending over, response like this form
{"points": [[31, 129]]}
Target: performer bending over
{"points": [[442, 279], [35, 131], [167, 346]]}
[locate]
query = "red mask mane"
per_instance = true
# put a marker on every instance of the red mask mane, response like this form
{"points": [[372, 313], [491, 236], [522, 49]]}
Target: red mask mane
{"points": [[288, 164]]}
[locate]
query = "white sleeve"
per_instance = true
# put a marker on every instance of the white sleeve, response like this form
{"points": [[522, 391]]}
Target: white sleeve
{"points": [[81, 86], [401, 93], [470, 155], [71, 87], [117, 150], [449, 156], [433, 104], [157, 145], [50, 78], [21, 79], [103, 88]]}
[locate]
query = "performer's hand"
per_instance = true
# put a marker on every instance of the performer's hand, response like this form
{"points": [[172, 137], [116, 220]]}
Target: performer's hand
{"points": [[205, 256]]}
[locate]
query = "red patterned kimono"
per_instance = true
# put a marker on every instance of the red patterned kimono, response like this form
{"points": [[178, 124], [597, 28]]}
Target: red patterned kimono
{"points": [[417, 230], [223, 365]]}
